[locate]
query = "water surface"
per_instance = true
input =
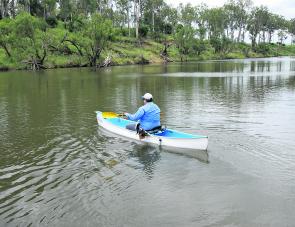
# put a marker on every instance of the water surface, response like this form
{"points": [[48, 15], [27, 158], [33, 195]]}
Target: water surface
{"points": [[57, 168]]}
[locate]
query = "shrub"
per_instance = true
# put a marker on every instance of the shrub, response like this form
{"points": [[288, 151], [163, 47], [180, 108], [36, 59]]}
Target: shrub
{"points": [[262, 48], [51, 21], [199, 47], [143, 30], [167, 29]]}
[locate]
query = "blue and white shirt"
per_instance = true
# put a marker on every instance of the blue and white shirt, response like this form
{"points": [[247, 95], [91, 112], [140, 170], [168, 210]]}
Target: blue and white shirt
{"points": [[148, 116]]}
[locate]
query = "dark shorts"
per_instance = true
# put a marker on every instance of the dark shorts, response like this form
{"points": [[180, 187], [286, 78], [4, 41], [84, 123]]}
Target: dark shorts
{"points": [[131, 127]]}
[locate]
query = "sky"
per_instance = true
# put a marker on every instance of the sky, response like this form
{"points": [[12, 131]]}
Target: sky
{"points": [[285, 8]]}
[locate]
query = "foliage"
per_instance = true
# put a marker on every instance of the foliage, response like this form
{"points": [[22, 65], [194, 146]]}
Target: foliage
{"points": [[184, 39], [43, 33], [220, 44], [28, 41], [6, 26], [92, 38], [199, 47], [262, 48], [51, 21], [143, 30]]}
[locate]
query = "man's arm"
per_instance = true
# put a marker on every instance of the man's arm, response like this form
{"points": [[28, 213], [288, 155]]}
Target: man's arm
{"points": [[136, 116]]}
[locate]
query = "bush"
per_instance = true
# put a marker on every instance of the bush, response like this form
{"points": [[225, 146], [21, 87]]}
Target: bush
{"points": [[221, 44], [143, 30], [216, 44], [51, 21], [125, 32], [262, 48], [199, 47], [245, 48], [167, 29], [234, 55]]}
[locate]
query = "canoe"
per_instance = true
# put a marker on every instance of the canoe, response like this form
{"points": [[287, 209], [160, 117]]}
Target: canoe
{"points": [[167, 138]]}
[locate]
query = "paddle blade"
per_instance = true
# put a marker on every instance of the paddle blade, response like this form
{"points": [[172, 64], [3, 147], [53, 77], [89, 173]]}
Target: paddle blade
{"points": [[109, 115]]}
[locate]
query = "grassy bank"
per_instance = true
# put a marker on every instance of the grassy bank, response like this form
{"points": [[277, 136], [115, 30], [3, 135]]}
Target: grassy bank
{"points": [[125, 51]]}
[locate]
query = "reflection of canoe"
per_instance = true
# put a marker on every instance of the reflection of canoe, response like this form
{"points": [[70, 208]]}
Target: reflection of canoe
{"points": [[168, 138]]}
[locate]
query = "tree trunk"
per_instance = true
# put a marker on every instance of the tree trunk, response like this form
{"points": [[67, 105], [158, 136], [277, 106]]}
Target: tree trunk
{"points": [[29, 7], [44, 11], [232, 34], [263, 36], [6, 49], [4, 8], [1, 9], [12, 10], [253, 39], [239, 34], [243, 35], [269, 37], [93, 61], [74, 44], [137, 11], [128, 21], [153, 20], [94, 56]]}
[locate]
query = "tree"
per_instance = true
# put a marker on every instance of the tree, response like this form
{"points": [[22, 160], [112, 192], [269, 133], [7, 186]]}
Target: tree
{"points": [[124, 7], [272, 25], [187, 13], [282, 36], [6, 26], [201, 20], [257, 22], [169, 17], [184, 39], [93, 37], [291, 29], [231, 17], [66, 10], [216, 22], [283, 25], [243, 15], [3, 9], [137, 16], [32, 42]]}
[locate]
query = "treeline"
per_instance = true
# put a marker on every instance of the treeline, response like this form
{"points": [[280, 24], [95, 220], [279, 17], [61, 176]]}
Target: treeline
{"points": [[32, 30]]}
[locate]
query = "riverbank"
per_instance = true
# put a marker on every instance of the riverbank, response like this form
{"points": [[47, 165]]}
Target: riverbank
{"points": [[128, 51]]}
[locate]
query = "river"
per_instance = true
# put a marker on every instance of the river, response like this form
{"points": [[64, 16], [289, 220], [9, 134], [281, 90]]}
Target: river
{"points": [[57, 168]]}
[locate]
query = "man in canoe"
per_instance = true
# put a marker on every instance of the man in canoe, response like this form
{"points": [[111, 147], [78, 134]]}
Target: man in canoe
{"points": [[147, 116]]}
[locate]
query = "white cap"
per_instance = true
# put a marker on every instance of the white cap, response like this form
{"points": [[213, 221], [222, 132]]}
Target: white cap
{"points": [[147, 96]]}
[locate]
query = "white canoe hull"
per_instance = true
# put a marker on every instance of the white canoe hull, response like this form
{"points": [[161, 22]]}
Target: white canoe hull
{"points": [[169, 143]]}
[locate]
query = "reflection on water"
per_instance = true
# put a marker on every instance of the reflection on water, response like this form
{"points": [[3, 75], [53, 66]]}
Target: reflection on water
{"points": [[58, 168]]}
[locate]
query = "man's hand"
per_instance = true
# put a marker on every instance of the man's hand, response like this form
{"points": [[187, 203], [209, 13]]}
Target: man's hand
{"points": [[125, 115]]}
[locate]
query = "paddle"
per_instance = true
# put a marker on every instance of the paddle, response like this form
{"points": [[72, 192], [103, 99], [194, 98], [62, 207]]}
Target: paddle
{"points": [[111, 115]]}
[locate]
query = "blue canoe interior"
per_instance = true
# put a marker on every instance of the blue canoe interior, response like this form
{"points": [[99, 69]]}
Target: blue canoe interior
{"points": [[120, 122]]}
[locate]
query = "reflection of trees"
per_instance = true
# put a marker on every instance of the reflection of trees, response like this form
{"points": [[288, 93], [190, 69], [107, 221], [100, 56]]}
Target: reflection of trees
{"points": [[291, 83], [270, 66], [292, 65]]}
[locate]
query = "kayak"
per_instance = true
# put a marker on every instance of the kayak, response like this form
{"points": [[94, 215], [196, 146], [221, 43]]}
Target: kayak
{"points": [[166, 138]]}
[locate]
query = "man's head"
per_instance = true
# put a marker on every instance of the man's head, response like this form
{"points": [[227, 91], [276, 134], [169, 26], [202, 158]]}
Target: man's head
{"points": [[147, 98]]}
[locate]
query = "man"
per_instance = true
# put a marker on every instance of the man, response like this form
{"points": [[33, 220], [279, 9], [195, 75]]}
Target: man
{"points": [[148, 115]]}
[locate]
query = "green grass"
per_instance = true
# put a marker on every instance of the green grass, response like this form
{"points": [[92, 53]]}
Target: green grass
{"points": [[60, 61]]}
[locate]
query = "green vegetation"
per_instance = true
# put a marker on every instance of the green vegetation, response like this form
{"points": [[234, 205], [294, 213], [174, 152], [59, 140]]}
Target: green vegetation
{"points": [[49, 33]]}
